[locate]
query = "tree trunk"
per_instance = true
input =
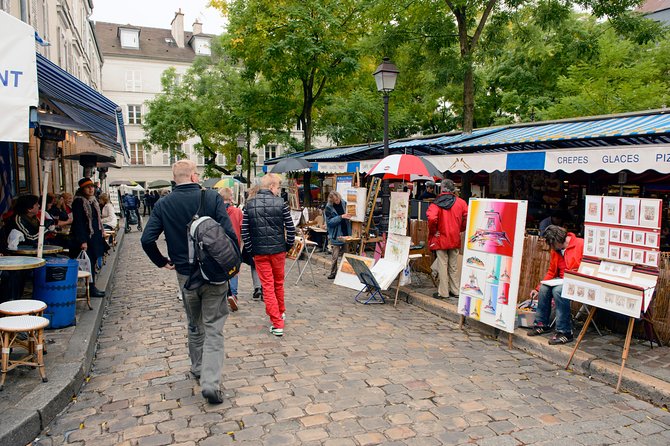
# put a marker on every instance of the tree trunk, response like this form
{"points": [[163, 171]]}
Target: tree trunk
{"points": [[468, 98], [248, 137], [307, 133]]}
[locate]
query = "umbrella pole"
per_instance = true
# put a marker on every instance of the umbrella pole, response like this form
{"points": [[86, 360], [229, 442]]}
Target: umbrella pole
{"points": [[45, 183]]}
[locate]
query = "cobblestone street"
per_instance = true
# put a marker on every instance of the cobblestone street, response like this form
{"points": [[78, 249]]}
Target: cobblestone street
{"points": [[343, 374]]}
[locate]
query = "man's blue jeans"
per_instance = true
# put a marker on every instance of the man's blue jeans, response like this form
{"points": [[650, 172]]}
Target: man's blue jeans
{"points": [[233, 284], [563, 316]]}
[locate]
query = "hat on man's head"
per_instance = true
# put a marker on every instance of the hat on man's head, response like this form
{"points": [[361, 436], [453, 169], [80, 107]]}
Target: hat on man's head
{"points": [[86, 182], [430, 184]]}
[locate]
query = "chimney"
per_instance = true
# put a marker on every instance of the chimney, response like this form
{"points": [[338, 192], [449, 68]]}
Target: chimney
{"points": [[178, 28], [197, 27]]}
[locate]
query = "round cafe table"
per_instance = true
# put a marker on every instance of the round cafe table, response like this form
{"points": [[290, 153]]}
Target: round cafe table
{"points": [[28, 250], [15, 263]]}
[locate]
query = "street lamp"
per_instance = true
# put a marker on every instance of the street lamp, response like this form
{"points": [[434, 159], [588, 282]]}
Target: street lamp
{"points": [[254, 158], [385, 77]]}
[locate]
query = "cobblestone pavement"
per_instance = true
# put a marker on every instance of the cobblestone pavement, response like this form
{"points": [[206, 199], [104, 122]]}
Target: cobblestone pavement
{"points": [[343, 374]]}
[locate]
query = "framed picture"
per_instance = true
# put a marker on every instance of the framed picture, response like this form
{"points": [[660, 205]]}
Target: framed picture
{"points": [[626, 254], [638, 256], [593, 208], [638, 238], [615, 235], [630, 211], [652, 240], [296, 249], [626, 236], [651, 258], [615, 252], [611, 210], [589, 231], [650, 213], [590, 246]]}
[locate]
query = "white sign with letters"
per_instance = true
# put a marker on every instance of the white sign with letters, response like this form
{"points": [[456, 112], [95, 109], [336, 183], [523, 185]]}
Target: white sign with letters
{"points": [[612, 159], [18, 78]]}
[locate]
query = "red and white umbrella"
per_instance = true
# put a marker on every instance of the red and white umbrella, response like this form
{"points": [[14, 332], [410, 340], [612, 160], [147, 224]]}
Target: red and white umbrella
{"points": [[405, 167]]}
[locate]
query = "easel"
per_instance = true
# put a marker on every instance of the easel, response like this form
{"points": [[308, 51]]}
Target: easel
{"points": [[496, 332], [373, 191]]}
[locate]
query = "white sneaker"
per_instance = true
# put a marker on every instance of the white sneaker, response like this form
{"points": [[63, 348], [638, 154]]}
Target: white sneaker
{"points": [[283, 316], [277, 331]]}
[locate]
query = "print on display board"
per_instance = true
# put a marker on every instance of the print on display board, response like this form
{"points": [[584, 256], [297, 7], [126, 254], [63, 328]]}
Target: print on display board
{"points": [[492, 261], [626, 236], [638, 256], [615, 252], [651, 240], [615, 235], [638, 238], [650, 213], [651, 258], [593, 208], [610, 213], [626, 254], [630, 211]]}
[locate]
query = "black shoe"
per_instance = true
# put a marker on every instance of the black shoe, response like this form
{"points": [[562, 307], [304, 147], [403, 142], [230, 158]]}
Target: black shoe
{"points": [[213, 396], [331, 276], [94, 292], [539, 330], [437, 296], [258, 294], [561, 338], [454, 296]]}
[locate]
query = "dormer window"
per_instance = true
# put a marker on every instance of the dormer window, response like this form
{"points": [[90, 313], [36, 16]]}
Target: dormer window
{"points": [[130, 38], [202, 46]]}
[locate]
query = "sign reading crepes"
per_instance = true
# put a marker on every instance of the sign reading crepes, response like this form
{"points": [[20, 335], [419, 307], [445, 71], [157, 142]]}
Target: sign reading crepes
{"points": [[18, 78]]}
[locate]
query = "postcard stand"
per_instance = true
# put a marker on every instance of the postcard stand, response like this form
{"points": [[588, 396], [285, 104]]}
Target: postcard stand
{"points": [[619, 270], [372, 289]]}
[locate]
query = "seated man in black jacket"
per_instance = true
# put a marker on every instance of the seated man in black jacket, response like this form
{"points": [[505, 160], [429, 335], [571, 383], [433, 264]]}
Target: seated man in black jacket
{"points": [[206, 306]]}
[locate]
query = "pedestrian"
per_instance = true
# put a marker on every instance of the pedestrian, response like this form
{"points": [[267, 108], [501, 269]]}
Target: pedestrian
{"points": [[339, 225], [205, 306], [235, 215], [268, 232], [131, 206], [429, 192], [248, 258], [566, 254], [447, 217], [109, 220], [86, 230]]}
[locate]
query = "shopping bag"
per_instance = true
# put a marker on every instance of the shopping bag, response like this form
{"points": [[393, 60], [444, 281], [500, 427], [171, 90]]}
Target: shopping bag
{"points": [[84, 262], [406, 276]]}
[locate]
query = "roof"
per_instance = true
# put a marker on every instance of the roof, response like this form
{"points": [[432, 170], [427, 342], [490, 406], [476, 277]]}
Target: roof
{"points": [[152, 43], [654, 5]]}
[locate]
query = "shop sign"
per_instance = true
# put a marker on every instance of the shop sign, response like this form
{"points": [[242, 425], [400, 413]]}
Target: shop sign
{"points": [[488, 162], [332, 167], [613, 160], [18, 78]]}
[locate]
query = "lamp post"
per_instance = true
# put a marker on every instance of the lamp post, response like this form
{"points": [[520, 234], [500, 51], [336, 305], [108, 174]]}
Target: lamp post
{"points": [[254, 158], [385, 77]]}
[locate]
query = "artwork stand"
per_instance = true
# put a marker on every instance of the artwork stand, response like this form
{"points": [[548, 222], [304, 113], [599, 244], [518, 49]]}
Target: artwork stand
{"points": [[372, 289], [373, 191]]}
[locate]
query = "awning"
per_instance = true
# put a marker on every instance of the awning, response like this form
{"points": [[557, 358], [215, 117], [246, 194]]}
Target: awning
{"points": [[83, 104], [18, 78]]}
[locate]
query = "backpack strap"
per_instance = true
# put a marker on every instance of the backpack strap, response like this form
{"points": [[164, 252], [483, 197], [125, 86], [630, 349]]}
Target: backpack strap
{"points": [[191, 248]]}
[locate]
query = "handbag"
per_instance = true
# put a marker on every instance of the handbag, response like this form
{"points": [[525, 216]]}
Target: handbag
{"points": [[84, 262]]}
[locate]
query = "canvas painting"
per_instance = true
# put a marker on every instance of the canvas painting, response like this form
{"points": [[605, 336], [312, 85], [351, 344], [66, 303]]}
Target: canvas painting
{"points": [[355, 198], [346, 276], [650, 213], [630, 211], [593, 208], [610, 210], [398, 213]]}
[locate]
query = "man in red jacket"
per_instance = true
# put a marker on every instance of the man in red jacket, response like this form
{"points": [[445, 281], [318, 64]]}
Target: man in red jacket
{"points": [[447, 217], [566, 254]]}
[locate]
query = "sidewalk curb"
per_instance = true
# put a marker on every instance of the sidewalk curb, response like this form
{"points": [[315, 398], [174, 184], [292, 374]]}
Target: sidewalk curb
{"points": [[639, 384], [21, 426]]}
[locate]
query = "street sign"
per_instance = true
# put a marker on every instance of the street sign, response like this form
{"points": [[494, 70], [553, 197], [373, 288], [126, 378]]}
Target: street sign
{"points": [[238, 160]]}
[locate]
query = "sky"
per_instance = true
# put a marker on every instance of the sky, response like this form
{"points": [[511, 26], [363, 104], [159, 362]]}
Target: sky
{"points": [[158, 13]]}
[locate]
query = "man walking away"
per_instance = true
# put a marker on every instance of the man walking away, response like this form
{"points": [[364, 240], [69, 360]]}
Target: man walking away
{"points": [[206, 307], [235, 215], [447, 217], [267, 233]]}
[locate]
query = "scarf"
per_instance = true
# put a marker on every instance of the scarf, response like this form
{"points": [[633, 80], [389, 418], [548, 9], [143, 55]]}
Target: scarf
{"points": [[90, 204]]}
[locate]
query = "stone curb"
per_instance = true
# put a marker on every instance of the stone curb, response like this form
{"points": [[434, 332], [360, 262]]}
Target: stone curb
{"points": [[639, 384], [39, 407]]}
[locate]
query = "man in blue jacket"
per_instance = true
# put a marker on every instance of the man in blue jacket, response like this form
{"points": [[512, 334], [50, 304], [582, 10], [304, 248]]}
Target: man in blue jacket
{"points": [[206, 307]]}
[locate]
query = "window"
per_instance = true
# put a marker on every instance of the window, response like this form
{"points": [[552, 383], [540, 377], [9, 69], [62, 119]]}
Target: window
{"points": [[130, 38], [133, 80], [201, 160], [270, 151], [166, 158], [134, 114], [220, 159], [136, 154], [202, 47]]}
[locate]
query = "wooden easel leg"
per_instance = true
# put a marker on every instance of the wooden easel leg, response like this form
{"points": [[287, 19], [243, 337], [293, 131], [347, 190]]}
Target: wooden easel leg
{"points": [[461, 322], [397, 290], [581, 335], [626, 349], [509, 341]]}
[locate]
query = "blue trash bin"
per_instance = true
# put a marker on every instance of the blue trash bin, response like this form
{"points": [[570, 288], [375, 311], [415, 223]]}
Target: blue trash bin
{"points": [[55, 284]]}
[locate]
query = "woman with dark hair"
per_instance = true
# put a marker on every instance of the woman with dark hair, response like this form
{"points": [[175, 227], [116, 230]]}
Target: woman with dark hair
{"points": [[86, 233], [25, 218]]}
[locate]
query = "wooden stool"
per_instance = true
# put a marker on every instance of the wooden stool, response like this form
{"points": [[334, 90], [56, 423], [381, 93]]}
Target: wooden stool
{"points": [[33, 326], [412, 259], [22, 307], [87, 277]]}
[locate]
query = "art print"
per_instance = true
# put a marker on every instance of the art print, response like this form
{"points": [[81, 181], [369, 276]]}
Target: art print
{"points": [[638, 238], [638, 256], [651, 258], [651, 240], [593, 208], [492, 226], [626, 236], [630, 211], [615, 235], [590, 247], [626, 254], [601, 251], [610, 210], [356, 200], [614, 253], [590, 231], [398, 213], [650, 213]]}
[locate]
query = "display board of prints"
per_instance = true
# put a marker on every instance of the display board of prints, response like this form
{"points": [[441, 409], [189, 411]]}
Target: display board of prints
{"points": [[621, 254], [355, 198], [492, 261], [398, 213], [396, 256], [623, 229]]}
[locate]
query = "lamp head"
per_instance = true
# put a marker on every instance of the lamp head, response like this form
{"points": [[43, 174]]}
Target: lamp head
{"points": [[386, 76]]}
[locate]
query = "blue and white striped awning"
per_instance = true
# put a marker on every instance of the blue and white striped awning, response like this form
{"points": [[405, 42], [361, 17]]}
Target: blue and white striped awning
{"points": [[445, 140], [83, 104]]}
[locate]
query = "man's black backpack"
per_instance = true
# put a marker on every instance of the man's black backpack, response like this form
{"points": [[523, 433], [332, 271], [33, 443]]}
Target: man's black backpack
{"points": [[214, 257]]}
